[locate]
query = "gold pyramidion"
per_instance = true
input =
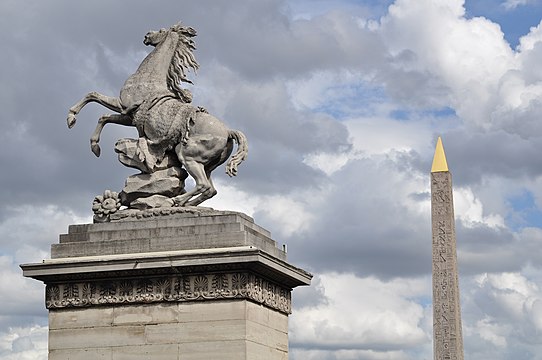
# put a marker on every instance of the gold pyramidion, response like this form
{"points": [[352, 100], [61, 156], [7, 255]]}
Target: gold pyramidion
{"points": [[439, 160]]}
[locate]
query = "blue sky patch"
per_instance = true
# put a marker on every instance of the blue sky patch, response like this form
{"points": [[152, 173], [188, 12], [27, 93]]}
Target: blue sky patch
{"points": [[515, 22], [525, 212]]}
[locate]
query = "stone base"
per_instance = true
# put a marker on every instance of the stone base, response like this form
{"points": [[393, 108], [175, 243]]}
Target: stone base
{"points": [[212, 286], [223, 330]]}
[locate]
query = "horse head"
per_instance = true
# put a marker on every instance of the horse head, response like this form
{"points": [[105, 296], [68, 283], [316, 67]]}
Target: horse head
{"points": [[154, 38]]}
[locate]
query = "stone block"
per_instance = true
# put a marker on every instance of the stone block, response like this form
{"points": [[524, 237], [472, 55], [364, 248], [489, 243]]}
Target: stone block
{"points": [[160, 313], [223, 350], [266, 336], [80, 318], [96, 337], [255, 351], [216, 311], [99, 248], [191, 332], [146, 352], [169, 233], [261, 314], [81, 354]]}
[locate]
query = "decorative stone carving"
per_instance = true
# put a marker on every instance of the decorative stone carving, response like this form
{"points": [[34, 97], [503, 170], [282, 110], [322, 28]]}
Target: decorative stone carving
{"points": [[172, 132], [160, 207], [105, 205], [188, 287]]}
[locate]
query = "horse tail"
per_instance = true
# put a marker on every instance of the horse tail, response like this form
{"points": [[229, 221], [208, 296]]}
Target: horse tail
{"points": [[240, 155]]}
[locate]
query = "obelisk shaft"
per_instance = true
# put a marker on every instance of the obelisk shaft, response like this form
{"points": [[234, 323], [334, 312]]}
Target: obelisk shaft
{"points": [[447, 334]]}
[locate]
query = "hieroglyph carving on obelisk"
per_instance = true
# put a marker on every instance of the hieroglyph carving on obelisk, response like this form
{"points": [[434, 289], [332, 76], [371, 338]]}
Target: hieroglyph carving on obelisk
{"points": [[447, 334]]}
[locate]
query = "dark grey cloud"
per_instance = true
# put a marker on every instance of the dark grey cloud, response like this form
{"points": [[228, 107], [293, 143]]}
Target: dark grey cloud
{"points": [[473, 155]]}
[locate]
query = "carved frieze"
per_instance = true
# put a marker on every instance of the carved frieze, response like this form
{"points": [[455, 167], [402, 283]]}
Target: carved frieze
{"points": [[168, 288]]}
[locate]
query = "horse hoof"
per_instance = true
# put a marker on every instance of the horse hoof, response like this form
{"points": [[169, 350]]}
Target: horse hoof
{"points": [[179, 201], [71, 120], [95, 149]]}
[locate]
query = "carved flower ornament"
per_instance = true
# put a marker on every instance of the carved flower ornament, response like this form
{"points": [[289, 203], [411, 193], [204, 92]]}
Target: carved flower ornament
{"points": [[104, 205]]}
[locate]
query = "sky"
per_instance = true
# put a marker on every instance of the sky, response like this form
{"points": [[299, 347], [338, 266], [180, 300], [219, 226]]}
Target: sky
{"points": [[342, 103]]}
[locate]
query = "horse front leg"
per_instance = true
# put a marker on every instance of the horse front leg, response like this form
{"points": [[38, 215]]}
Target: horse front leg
{"points": [[112, 103], [119, 119]]}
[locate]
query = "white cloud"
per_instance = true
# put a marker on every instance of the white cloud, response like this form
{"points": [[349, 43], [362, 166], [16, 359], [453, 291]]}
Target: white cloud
{"points": [[29, 343], [297, 354], [329, 163], [512, 4], [491, 332], [512, 292], [529, 41], [509, 310], [470, 210], [29, 230], [381, 135], [363, 314], [467, 56]]}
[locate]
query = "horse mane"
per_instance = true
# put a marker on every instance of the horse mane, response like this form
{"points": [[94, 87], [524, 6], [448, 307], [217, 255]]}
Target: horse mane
{"points": [[183, 60]]}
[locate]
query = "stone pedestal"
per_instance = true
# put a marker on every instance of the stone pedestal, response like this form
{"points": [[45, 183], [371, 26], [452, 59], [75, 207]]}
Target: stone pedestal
{"points": [[186, 286]]}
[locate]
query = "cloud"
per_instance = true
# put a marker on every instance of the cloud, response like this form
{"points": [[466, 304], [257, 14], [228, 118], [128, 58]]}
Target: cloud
{"points": [[24, 343], [512, 4], [27, 233], [508, 317], [384, 317]]}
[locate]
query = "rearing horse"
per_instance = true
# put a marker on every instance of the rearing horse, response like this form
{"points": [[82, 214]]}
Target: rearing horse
{"points": [[153, 101]]}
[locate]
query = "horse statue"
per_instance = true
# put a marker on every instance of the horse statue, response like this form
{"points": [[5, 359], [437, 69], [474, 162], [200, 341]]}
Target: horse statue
{"points": [[172, 132]]}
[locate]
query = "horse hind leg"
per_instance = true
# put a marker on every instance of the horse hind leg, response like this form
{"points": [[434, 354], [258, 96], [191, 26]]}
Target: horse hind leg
{"points": [[205, 195], [205, 154], [203, 187], [211, 191]]}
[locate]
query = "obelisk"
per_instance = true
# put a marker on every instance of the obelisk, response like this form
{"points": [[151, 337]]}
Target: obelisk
{"points": [[447, 334]]}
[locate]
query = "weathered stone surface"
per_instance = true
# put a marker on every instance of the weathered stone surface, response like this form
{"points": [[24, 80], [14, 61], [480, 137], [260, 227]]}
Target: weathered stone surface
{"points": [[81, 354], [80, 318], [162, 313], [147, 352], [96, 337], [217, 330], [168, 182], [223, 350], [151, 202], [128, 150], [213, 229], [447, 331], [259, 351]]}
